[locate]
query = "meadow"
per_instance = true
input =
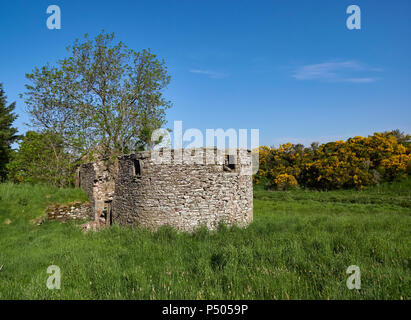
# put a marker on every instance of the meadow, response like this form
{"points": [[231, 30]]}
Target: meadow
{"points": [[298, 247]]}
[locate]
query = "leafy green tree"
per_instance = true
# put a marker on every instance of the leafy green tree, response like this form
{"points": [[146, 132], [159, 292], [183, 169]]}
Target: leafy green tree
{"points": [[403, 138], [103, 94], [7, 132], [41, 158], [145, 139]]}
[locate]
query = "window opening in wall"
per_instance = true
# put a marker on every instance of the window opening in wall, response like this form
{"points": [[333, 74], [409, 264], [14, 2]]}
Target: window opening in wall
{"points": [[79, 179], [137, 167], [229, 163]]}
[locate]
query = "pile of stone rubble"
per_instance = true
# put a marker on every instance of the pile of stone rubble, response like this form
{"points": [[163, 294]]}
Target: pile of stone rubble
{"points": [[71, 211], [92, 226]]}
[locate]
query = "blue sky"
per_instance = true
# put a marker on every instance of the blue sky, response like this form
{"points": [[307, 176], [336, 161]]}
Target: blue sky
{"points": [[291, 69]]}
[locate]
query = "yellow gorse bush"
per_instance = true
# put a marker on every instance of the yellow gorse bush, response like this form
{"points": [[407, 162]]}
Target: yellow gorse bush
{"points": [[285, 181], [357, 162]]}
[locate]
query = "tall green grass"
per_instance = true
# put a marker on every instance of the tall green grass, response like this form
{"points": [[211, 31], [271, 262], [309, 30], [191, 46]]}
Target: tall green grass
{"points": [[298, 247]]}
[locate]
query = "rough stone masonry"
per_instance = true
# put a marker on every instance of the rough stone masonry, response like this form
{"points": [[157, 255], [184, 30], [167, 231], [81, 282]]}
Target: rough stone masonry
{"points": [[185, 188]]}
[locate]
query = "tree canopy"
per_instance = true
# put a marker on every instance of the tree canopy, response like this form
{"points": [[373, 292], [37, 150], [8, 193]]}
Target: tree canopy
{"points": [[42, 158], [103, 94]]}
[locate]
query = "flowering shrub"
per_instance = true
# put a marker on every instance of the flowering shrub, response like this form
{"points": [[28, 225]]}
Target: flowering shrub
{"points": [[397, 165], [285, 181], [357, 162]]}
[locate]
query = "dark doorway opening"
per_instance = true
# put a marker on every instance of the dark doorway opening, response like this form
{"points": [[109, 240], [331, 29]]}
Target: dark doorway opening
{"points": [[107, 212]]}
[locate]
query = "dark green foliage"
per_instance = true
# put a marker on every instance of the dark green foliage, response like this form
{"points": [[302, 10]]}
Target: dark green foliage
{"points": [[41, 158], [7, 132]]}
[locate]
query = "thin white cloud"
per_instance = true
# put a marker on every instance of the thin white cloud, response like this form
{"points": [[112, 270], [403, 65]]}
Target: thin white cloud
{"points": [[210, 73], [341, 71], [361, 80]]}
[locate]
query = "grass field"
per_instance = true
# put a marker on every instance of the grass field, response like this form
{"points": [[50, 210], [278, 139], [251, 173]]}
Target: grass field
{"points": [[298, 247]]}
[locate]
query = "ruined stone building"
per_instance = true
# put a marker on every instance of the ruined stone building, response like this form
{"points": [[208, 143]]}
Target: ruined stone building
{"points": [[186, 189]]}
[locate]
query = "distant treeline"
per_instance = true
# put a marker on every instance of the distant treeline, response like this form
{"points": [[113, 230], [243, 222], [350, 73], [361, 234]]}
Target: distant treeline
{"points": [[357, 162]]}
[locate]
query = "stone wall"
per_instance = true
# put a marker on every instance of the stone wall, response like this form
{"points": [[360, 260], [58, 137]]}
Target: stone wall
{"points": [[85, 180], [97, 179], [188, 189], [184, 195], [71, 211]]}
